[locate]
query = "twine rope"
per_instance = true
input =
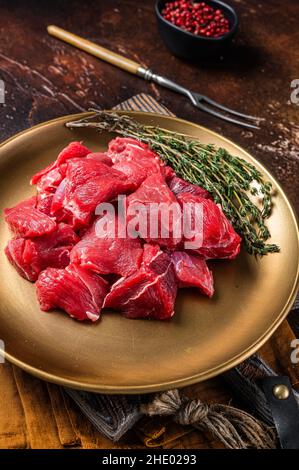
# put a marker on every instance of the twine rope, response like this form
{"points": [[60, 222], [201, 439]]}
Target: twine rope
{"points": [[235, 428]]}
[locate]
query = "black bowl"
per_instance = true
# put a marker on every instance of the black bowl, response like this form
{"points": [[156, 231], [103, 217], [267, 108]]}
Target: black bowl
{"points": [[190, 46]]}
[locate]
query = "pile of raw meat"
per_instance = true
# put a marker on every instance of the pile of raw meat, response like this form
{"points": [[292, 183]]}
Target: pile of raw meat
{"points": [[56, 245]]}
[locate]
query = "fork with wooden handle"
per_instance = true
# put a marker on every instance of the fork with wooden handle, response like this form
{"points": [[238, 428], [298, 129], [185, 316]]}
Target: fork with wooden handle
{"points": [[198, 100]]}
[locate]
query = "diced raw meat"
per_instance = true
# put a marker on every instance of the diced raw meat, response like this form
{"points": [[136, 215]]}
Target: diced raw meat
{"points": [[148, 293], [192, 271], [168, 173], [135, 159], [49, 178], [77, 291], [150, 252], [219, 238], [73, 150], [49, 182], [155, 190], [27, 221], [100, 157], [179, 186], [108, 253], [46, 187], [31, 256], [87, 183], [121, 147], [14, 252], [69, 267], [44, 203], [57, 200]]}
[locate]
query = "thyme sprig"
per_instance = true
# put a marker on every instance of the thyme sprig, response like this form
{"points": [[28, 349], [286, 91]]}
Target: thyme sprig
{"points": [[237, 185]]}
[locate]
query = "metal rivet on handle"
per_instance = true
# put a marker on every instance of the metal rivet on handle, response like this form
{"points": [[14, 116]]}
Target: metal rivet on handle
{"points": [[281, 392]]}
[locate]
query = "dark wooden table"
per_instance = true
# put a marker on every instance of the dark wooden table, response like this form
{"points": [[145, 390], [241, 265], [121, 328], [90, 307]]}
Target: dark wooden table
{"points": [[45, 78]]}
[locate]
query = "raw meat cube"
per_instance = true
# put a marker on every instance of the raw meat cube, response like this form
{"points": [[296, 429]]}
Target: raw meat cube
{"points": [[150, 292], [100, 157], [77, 291], [123, 147], [56, 207], [150, 252], [46, 187], [48, 183], [73, 150], [155, 190], [27, 221], [44, 203], [219, 239], [108, 253], [179, 186], [88, 182], [135, 159], [31, 256], [168, 173], [192, 271]]}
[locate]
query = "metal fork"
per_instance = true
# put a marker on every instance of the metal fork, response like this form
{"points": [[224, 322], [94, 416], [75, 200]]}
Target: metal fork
{"points": [[202, 102]]}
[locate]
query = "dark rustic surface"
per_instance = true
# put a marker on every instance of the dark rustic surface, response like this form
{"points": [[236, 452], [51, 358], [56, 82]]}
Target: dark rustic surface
{"points": [[45, 78]]}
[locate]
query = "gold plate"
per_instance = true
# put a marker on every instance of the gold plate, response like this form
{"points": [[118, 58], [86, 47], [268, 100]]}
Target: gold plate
{"points": [[117, 355]]}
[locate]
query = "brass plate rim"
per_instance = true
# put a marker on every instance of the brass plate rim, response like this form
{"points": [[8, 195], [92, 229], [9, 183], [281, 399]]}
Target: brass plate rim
{"points": [[196, 378]]}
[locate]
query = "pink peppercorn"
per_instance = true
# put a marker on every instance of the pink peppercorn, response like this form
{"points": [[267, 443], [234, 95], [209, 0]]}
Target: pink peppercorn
{"points": [[197, 18]]}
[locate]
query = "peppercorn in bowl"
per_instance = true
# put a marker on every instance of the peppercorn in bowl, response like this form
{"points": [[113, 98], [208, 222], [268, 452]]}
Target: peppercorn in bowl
{"points": [[196, 30]]}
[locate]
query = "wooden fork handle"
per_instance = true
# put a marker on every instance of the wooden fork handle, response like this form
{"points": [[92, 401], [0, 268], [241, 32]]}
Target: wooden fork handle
{"points": [[94, 49]]}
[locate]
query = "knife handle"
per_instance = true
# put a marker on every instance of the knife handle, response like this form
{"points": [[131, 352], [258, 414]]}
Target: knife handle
{"points": [[94, 49]]}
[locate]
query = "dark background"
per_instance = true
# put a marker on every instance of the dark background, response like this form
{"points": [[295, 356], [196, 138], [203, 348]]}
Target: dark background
{"points": [[46, 78]]}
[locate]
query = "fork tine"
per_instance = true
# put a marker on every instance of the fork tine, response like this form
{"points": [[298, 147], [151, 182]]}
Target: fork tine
{"points": [[202, 107], [228, 110]]}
